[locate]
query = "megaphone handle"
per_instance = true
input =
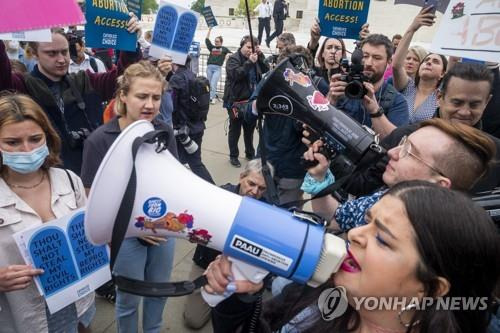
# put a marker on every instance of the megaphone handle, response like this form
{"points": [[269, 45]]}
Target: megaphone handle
{"points": [[241, 271]]}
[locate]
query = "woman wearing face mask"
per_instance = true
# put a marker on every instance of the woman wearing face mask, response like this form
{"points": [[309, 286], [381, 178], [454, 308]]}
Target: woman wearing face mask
{"points": [[32, 191], [420, 92], [138, 97], [422, 243]]}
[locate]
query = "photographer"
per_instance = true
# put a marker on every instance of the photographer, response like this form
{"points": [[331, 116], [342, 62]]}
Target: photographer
{"points": [[71, 101], [188, 128], [379, 106], [243, 69]]}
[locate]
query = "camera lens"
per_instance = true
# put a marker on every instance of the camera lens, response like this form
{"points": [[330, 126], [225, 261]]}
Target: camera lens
{"points": [[355, 90]]}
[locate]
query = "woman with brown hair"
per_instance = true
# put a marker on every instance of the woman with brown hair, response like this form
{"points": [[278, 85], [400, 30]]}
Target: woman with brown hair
{"points": [[32, 191]]}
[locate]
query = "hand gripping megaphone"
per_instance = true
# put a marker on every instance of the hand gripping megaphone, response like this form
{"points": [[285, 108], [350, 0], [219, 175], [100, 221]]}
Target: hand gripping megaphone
{"points": [[141, 189]]}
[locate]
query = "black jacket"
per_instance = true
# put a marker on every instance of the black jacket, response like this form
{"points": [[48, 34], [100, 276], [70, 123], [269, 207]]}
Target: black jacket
{"points": [[72, 115], [279, 10], [179, 83], [239, 69]]}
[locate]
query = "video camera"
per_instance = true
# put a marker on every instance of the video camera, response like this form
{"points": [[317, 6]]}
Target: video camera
{"points": [[73, 39], [354, 77]]}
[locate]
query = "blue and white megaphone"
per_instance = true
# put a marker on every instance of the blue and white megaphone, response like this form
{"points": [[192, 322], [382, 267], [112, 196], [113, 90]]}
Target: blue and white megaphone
{"points": [[146, 191]]}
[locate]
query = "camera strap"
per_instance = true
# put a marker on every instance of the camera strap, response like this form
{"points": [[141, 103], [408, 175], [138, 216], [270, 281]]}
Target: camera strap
{"points": [[133, 286]]}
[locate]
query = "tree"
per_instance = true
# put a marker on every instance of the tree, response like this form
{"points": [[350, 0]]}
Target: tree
{"points": [[198, 5], [241, 10], [149, 6]]}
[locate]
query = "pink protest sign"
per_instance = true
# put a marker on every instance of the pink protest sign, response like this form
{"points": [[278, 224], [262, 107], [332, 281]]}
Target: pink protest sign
{"points": [[22, 15]]}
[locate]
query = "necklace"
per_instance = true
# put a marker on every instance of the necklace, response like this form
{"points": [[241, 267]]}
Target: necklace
{"points": [[27, 187]]}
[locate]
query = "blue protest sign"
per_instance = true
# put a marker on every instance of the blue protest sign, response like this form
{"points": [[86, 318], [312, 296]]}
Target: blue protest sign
{"points": [[50, 251], [194, 49], [342, 18], [89, 258], [173, 32], [208, 14], [166, 21], [135, 7], [72, 266], [106, 27], [184, 33], [473, 61]]}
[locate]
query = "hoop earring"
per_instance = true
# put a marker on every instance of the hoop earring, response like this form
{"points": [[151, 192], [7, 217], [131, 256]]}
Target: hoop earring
{"points": [[408, 308]]}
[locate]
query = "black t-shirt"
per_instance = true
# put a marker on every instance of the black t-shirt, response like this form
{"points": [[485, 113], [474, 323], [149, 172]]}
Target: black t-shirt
{"points": [[97, 144]]}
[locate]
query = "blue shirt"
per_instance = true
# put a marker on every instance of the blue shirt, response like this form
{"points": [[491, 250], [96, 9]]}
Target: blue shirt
{"points": [[352, 213], [397, 113]]}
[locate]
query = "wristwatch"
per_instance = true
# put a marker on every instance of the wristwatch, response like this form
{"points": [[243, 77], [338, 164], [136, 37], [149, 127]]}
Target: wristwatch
{"points": [[379, 113]]}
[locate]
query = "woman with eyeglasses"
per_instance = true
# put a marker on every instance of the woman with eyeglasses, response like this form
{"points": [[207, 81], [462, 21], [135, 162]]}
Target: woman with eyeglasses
{"points": [[431, 153], [423, 256], [32, 191]]}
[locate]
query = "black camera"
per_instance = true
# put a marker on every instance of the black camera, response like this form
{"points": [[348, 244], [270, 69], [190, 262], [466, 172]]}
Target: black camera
{"points": [[182, 134], [354, 77], [76, 138], [73, 39]]}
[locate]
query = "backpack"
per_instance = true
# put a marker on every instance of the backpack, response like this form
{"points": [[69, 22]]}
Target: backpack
{"points": [[199, 98], [93, 64]]}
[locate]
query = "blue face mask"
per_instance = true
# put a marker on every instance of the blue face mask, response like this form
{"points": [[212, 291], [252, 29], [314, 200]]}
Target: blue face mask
{"points": [[26, 162]]}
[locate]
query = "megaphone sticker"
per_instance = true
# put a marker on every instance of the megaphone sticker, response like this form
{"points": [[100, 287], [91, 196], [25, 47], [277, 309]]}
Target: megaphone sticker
{"points": [[154, 207], [179, 223], [281, 104], [299, 78], [318, 102]]}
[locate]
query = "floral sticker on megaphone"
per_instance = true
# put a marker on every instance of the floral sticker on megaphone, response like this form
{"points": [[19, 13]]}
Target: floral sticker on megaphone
{"points": [[157, 218]]}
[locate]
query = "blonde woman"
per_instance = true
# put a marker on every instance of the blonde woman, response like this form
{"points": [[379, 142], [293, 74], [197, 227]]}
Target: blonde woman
{"points": [[138, 97]]}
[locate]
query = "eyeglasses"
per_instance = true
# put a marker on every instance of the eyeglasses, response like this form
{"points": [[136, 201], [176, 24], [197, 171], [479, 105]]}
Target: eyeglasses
{"points": [[405, 150]]}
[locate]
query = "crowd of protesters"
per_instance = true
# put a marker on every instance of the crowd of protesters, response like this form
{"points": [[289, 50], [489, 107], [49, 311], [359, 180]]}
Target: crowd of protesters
{"points": [[412, 230]]}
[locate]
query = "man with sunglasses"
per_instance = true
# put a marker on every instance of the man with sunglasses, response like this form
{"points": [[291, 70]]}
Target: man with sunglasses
{"points": [[452, 155]]}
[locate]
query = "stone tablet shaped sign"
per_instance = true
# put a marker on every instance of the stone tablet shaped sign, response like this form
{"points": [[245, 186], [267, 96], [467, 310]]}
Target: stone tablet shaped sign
{"points": [[173, 32], [89, 258], [50, 251], [185, 32], [164, 29]]}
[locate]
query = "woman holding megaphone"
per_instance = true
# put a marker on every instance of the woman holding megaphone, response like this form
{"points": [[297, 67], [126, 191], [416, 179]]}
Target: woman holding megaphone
{"points": [[138, 97], [32, 191], [404, 271]]}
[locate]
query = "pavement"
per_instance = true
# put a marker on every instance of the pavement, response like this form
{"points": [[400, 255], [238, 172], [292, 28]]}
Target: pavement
{"points": [[215, 155]]}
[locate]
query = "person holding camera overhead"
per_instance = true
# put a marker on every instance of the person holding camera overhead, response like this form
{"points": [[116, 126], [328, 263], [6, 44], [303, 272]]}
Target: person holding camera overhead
{"points": [[421, 92], [362, 92], [138, 97], [73, 102]]}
